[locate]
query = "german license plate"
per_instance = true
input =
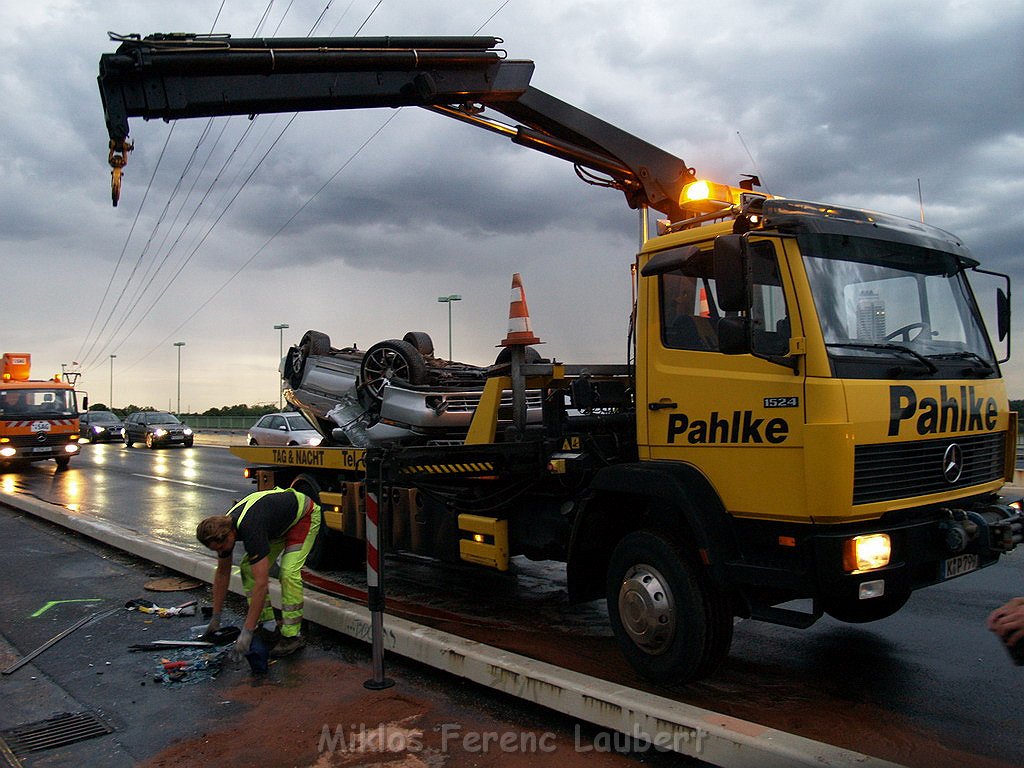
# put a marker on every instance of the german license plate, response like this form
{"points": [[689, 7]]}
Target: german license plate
{"points": [[44, 449], [959, 565]]}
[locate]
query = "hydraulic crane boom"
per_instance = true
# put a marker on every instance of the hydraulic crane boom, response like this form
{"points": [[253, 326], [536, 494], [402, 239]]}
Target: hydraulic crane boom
{"points": [[178, 76]]}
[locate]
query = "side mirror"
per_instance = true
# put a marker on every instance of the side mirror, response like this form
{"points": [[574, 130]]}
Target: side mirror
{"points": [[734, 335], [732, 287], [1002, 313]]}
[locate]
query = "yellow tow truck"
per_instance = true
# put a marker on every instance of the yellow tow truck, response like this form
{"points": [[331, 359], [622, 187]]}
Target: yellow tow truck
{"points": [[811, 408]]}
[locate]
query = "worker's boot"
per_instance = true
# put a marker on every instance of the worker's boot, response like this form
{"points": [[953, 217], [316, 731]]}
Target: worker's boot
{"points": [[288, 645]]}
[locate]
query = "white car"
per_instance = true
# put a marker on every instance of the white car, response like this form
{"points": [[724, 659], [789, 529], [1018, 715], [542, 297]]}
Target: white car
{"points": [[283, 429]]}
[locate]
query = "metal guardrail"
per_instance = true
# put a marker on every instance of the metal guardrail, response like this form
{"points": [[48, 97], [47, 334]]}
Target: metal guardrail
{"points": [[220, 422]]}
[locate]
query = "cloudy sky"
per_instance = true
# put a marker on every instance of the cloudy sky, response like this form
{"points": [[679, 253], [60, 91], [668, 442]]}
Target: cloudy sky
{"points": [[355, 222]]}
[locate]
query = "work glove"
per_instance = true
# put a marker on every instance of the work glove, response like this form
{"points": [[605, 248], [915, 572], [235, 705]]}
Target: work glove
{"points": [[242, 644]]}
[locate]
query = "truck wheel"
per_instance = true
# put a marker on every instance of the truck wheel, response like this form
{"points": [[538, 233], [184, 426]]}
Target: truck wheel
{"points": [[330, 550], [659, 610], [319, 553], [63, 462], [422, 341], [390, 361]]}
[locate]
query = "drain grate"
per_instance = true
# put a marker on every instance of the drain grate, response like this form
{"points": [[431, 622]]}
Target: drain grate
{"points": [[57, 731]]}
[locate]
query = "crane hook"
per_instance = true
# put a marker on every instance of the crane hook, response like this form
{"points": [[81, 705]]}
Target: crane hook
{"points": [[118, 159]]}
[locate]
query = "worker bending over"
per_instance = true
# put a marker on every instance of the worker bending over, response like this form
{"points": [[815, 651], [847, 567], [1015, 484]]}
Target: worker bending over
{"points": [[267, 523]]}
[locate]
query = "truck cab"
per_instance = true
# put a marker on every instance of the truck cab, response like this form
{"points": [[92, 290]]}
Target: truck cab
{"points": [[38, 419], [826, 372]]}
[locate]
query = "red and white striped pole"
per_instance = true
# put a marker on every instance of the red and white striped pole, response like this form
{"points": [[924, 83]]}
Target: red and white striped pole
{"points": [[374, 561]]}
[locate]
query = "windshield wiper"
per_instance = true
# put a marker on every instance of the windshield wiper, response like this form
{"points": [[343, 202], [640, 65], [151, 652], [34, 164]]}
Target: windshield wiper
{"points": [[984, 366], [893, 347]]}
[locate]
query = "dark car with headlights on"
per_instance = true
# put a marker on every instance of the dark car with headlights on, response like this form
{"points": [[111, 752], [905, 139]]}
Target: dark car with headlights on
{"points": [[156, 428], [100, 426]]}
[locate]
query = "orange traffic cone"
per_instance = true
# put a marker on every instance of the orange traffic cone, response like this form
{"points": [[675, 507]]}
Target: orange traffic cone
{"points": [[519, 331], [705, 310]]}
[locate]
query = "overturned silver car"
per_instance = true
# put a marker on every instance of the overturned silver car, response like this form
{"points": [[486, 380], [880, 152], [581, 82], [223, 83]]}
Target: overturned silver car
{"points": [[395, 391]]}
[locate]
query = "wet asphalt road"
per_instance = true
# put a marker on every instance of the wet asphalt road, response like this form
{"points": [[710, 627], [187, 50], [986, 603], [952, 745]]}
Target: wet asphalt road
{"points": [[929, 686]]}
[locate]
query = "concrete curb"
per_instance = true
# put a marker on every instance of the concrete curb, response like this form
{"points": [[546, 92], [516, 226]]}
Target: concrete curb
{"points": [[708, 736]]}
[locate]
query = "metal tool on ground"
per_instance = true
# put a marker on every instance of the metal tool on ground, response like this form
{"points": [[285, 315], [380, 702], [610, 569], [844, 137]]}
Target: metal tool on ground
{"points": [[56, 639]]}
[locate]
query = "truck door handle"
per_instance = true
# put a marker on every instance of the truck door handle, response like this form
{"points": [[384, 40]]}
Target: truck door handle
{"points": [[661, 406]]}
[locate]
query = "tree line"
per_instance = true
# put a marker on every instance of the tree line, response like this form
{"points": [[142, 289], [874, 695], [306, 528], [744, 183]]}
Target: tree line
{"points": [[240, 410]]}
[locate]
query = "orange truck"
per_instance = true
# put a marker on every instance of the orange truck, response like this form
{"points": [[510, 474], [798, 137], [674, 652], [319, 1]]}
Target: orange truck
{"points": [[38, 418]]}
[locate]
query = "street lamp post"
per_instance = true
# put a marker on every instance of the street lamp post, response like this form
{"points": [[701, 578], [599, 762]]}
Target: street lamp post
{"points": [[448, 300], [280, 354], [179, 345], [111, 403]]}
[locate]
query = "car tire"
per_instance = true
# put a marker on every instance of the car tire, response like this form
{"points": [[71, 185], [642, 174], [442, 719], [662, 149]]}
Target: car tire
{"points": [[188, 442], [390, 360], [505, 356], [150, 442], [422, 341], [253, 442], [312, 343], [128, 442]]}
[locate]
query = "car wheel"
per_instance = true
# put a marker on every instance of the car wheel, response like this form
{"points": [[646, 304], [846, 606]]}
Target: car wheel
{"points": [[312, 343], [128, 442], [252, 442], [150, 442], [188, 442], [390, 361], [422, 341], [505, 356]]}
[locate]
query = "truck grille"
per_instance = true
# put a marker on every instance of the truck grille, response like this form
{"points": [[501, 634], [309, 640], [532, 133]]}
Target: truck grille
{"points": [[901, 470], [36, 441]]}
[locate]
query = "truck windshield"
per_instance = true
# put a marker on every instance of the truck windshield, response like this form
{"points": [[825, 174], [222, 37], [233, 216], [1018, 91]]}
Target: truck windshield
{"points": [[907, 308], [37, 404]]}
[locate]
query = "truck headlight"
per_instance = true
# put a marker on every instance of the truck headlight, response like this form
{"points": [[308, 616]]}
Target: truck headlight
{"points": [[866, 553], [7, 451]]}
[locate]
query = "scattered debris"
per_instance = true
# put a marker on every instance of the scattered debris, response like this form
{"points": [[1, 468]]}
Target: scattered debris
{"points": [[190, 666], [148, 606]]}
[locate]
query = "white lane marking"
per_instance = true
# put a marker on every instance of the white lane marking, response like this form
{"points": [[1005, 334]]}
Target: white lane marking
{"points": [[186, 482]]}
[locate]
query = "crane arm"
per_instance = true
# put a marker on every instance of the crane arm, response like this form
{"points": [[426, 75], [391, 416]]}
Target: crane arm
{"points": [[181, 76]]}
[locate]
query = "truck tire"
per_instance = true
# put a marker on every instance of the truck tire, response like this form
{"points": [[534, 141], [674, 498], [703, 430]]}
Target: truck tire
{"points": [[670, 627], [330, 550], [422, 341], [387, 361], [320, 553], [63, 462]]}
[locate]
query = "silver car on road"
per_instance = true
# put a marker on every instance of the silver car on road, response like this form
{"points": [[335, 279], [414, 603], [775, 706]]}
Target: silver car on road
{"points": [[283, 429]]}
